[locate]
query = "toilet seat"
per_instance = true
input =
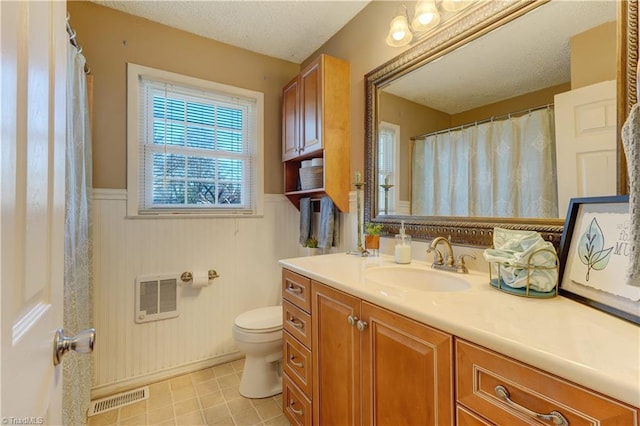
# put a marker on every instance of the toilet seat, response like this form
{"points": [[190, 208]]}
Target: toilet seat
{"points": [[261, 320]]}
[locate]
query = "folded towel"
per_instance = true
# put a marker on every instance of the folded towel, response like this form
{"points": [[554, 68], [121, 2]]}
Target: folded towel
{"points": [[327, 223], [631, 141], [305, 220], [513, 250]]}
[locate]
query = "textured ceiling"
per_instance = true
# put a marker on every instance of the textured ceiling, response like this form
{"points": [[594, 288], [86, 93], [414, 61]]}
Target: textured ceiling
{"points": [[289, 30], [528, 54]]}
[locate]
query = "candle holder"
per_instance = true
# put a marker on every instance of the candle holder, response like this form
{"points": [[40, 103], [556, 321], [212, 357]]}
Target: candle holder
{"points": [[359, 251], [386, 187]]}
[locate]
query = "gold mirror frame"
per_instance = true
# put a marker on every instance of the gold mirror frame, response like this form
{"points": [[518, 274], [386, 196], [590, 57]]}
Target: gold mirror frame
{"points": [[468, 26]]}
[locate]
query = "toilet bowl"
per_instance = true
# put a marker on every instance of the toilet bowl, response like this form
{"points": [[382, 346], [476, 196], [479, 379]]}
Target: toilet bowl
{"points": [[258, 334]]}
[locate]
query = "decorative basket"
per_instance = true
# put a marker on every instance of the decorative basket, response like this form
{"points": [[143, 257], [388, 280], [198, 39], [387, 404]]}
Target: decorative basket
{"points": [[526, 291], [311, 177]]}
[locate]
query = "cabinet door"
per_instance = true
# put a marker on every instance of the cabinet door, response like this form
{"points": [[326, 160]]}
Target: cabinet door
{"points": [[336, 357], [290, 120], [406, 371], [311, 108]]}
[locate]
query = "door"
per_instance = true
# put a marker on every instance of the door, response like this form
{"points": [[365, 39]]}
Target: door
{"points": [[290, 121], [585, 121], [311, 108], [336, 357], [407, 371], [34, 43]]}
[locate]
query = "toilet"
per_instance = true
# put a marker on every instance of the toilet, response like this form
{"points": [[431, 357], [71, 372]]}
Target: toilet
{"points": [[258, 334]]}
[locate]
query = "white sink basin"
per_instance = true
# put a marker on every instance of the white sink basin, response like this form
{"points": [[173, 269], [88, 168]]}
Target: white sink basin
{"points": [[420, 279]]}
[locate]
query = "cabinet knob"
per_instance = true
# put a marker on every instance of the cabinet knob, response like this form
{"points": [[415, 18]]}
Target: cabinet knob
{"points": [[556, 417], [352, 320], [361, 325]]}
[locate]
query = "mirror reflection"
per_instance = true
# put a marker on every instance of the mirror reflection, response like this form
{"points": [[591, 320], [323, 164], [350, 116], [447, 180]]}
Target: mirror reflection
{"points": [[512, 124]]}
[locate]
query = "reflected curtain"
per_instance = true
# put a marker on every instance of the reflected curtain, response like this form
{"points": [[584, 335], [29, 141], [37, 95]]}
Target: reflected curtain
{"points": [[503, 168], [78, 303]]}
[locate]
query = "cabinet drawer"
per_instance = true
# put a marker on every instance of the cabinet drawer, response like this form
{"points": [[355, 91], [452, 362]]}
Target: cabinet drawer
{"points": [[480, 372], [469, 418], [297, 363], [296, 406], [297, 322], [296, 289]]}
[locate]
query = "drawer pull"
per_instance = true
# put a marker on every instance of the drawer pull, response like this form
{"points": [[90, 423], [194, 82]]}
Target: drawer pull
{"points": [[297, 324], [556, 417], [295, 363], [299, 412], [294, 289]]}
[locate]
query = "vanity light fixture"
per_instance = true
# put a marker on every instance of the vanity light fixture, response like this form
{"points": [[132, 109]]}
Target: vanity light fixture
{"points": [[426, 16], [455, 5], [399, 32]]}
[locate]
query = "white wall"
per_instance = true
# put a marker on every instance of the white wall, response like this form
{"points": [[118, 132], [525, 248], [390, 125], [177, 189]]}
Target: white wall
{"points": [[244, 252]]}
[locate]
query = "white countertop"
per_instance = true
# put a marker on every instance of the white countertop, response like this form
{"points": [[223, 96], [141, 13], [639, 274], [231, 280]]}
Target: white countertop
{"points": [[558, 335]]}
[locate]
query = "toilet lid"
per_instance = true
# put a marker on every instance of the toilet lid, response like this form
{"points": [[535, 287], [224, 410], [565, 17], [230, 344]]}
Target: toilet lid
{"points": [[261, 319]]}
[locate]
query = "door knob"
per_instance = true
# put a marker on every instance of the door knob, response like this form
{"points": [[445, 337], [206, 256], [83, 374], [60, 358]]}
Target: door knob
{"points": [[82, 343]]}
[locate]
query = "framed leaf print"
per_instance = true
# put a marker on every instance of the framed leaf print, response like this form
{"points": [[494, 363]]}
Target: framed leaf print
{"points": [[594, 256]]}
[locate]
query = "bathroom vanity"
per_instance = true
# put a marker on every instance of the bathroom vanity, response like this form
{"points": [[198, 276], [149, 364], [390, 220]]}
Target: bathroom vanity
{"points": [[367, 341]]}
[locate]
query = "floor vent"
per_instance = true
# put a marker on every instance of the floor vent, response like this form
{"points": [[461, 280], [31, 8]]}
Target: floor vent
{"points": [[116, 401]]}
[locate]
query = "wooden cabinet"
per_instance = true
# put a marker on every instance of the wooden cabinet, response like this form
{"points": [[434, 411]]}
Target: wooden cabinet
{"points": [[350, 362], [316, 124], [297, 380], [290, 120], [336, 357], [481, 371], [372, 366], [407, 371]]}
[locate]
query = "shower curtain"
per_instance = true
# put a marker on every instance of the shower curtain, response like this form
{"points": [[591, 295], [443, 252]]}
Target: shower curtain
{"points": [[78, 303], [501, 168]]}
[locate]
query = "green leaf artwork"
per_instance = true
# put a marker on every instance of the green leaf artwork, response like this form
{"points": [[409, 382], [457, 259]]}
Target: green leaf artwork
{"points": [[591, 249]]}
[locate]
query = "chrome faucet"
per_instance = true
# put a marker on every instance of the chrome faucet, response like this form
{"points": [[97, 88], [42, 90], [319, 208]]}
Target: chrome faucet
{"points": [[447, 263]]}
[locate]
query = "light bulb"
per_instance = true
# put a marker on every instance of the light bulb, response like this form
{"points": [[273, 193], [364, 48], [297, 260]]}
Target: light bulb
{"points": [[425, 18], [398, 35]]}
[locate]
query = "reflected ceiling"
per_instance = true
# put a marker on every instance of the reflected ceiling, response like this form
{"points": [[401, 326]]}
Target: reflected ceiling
{"points": [[543, 33]]}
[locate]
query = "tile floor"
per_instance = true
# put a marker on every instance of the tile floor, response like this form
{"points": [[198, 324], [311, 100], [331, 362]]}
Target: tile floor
{"points": [[206, 397]]}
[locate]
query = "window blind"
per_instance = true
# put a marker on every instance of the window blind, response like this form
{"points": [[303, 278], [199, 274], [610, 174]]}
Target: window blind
{"points": [[196, 149]]}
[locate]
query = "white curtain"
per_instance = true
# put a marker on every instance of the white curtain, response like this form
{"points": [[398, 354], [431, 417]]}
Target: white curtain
{"points": [[78, 300], [503, 168]]}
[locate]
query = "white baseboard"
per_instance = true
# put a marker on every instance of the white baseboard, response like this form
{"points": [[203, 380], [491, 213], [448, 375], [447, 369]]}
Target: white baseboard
{"points": [[134, 382]]}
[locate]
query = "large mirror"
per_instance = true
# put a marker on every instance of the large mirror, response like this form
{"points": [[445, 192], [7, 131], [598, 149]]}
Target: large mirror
{"points": [[499, 117]]}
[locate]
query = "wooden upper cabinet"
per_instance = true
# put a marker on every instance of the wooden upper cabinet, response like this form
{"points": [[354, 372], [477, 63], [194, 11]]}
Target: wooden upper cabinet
{"points": [[290, 120], [311, 108], [316, 123]]}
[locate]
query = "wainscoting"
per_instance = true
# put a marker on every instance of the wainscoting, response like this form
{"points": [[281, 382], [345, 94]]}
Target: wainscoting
{"points": [[243, 251]]}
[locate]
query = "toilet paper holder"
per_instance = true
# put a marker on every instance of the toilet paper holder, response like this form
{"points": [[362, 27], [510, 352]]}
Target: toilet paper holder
{"points": [[188, 276]]}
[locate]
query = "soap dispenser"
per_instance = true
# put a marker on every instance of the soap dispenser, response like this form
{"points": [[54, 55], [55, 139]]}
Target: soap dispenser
{"points": [[403, 246]]}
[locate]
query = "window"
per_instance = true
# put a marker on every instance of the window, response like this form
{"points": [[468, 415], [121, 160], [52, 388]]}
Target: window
{"points": [[194, 146], [388, 168]]}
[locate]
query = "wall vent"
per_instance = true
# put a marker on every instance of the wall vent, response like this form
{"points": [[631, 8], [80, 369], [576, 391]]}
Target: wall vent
{"points": [[116, 401], [156, 298]]}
